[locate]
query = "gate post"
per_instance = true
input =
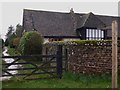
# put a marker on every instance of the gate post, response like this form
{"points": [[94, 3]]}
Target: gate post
{"points": [[59, 61]]}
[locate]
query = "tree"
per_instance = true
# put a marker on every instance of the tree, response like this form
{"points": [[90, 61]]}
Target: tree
{"points": [[6, 42], [8, 35], [1, 43], [11, 39], [10, 31], [19, 30]]}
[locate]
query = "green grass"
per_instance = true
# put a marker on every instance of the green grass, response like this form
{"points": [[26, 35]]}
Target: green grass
{"points": [[69, 80]]}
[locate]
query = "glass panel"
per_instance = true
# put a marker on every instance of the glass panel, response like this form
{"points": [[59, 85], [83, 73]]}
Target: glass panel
{"points": [[102, 34], [90, 34], [86, 32], [99, 33], [94, 34]]}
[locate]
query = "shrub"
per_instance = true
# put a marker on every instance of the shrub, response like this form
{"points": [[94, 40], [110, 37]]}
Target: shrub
{"points": [[16, 42], [31, 43]]}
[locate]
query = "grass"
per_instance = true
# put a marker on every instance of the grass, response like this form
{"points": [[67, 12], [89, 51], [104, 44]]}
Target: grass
{"points": [[69, 80]]}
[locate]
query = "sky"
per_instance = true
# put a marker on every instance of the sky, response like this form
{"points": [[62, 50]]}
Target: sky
{"points": [[11, 12]]}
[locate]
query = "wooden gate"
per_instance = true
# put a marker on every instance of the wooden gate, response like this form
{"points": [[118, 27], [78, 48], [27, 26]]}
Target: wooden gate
{"points": [[45, 66]]}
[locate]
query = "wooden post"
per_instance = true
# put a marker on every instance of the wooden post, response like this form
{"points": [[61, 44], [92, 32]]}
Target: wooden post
{"points": [[114, 54], [59, 61]]}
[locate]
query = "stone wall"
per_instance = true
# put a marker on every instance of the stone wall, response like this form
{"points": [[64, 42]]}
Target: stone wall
{"points": [[90, 57]]}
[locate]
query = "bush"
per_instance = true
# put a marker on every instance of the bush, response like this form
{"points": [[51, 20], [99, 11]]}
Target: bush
{"points": [[16, 42], [31, 43]]}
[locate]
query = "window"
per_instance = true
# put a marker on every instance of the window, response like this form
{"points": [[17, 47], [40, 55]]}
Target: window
{"points": [[94, 34]]}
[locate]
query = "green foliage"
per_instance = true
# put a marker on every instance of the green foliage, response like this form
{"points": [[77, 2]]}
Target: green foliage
{"points": [[10, 36], [1, 43], [80, 42], [10, 40], [19, 30], [16, 42], [6, 42], [10, 31], [13, 51], [31, 43], [89, 41]]}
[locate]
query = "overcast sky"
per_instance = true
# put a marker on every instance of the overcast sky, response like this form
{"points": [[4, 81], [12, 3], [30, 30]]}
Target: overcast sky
{"points": [[12, 12]]}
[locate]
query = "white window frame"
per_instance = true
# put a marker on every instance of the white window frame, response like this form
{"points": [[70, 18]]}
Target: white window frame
{"points": [[94, 34]]}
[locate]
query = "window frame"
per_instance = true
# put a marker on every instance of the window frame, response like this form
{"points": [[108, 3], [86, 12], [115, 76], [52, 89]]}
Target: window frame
{"points": [[95, 34]]}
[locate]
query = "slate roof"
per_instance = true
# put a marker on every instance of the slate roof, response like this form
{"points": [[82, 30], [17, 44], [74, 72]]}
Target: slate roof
{"points": [[61, 24]]}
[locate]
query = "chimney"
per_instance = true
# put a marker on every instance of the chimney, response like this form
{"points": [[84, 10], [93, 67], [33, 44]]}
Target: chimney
{"points": [[71, 10], [73, 18]]}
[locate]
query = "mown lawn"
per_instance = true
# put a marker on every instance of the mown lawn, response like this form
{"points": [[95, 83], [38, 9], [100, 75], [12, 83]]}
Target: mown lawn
{"points": [[69, 80]]}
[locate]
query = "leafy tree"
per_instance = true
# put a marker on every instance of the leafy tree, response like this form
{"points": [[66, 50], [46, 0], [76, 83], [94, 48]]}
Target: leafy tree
{"points": [[10, 34], [6, 42], [19, 30], [1, 43], [10, 31], [10, 40]]}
